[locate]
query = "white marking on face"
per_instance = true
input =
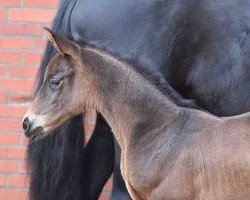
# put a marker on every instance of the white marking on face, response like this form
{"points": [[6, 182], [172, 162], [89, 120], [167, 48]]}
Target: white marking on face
{"points": [[35, 120]]}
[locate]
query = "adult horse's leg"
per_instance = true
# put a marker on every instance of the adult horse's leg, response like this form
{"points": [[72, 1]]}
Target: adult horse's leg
{"points": [[56, 163]]}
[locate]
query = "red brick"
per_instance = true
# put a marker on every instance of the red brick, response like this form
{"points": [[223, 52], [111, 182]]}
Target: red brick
{"points": [[3, 14], [88, 128], [41, 4], [22, 167], [23, 72], [9, 2], [108, 185], [20, 98], [20, 29], [16, 43], [9, 139], [2, 180], [104, 196], [10, 58], [12, 153], [21, 23], [11, 111], [10, 125], [90, 117], [13, 194], [24, 141], [17, 180], [40, 44], [16, 85], [32, 58], [3, 71], [8, 166], [3, 98], [29, 15]]}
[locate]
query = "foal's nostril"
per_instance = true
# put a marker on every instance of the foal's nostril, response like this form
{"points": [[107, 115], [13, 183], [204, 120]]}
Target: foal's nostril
{"points": [[26, 124]]}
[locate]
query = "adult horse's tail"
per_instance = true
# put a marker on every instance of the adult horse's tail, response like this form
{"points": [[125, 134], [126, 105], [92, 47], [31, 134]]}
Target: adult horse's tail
{"points": [[56, 162]]}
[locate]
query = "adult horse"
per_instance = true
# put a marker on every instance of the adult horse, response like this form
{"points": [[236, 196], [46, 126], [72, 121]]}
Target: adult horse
{"points": [[200, 46]]}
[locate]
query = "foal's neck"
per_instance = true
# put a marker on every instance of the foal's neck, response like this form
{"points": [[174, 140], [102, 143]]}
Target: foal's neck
{"points": [[128, 101]]}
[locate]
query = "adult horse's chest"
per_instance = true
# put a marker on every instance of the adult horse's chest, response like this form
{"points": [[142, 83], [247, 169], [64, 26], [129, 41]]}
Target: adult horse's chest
{"points": [[137, 30]]}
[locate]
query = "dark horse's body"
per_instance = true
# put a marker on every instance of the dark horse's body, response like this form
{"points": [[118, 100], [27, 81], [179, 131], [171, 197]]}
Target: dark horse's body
{"points": [[200, 46]]}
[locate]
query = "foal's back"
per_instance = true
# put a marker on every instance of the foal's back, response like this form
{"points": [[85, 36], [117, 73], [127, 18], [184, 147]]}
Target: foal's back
{"points": [[214, 164]]}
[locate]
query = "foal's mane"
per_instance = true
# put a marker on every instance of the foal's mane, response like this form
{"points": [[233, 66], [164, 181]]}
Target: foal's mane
{"points": [[150, 75]]}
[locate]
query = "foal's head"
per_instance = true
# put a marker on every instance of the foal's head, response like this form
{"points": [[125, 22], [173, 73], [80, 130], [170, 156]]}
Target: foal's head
{"points": [[60, 96]]}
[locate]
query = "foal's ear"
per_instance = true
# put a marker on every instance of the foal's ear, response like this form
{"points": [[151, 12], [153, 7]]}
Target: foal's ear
{"points": [[62, 44]]}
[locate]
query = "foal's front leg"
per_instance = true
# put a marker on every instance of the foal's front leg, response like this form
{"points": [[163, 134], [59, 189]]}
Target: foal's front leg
{"points": [[119, 191], [124, 172], [102, 159], [99, 154]]}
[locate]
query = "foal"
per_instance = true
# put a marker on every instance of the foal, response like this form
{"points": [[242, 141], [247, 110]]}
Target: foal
{"points": [[168, 152]]}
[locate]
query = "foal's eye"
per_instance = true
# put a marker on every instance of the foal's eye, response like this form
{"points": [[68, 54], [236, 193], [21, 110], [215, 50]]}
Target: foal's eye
{"points": [[55, 83]]}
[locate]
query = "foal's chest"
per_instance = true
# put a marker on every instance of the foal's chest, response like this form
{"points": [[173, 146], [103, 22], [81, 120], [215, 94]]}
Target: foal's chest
{"points": [[152, 178]]}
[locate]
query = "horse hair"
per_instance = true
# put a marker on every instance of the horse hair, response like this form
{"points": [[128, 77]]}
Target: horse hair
{"points": [[56, 163]]}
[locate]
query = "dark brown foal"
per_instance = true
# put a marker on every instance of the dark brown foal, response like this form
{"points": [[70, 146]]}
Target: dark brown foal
{"points": [[168, 152]]}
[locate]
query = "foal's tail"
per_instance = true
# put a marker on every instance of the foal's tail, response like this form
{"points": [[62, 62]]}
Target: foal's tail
{"points": [[56, 162]]}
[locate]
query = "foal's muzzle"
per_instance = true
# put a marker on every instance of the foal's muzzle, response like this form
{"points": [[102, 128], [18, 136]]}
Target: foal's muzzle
{"points": [[26, 124], [30, 129]]}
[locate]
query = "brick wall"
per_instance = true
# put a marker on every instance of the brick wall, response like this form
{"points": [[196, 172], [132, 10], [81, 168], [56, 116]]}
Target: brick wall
{"points": [[22, 42]]}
